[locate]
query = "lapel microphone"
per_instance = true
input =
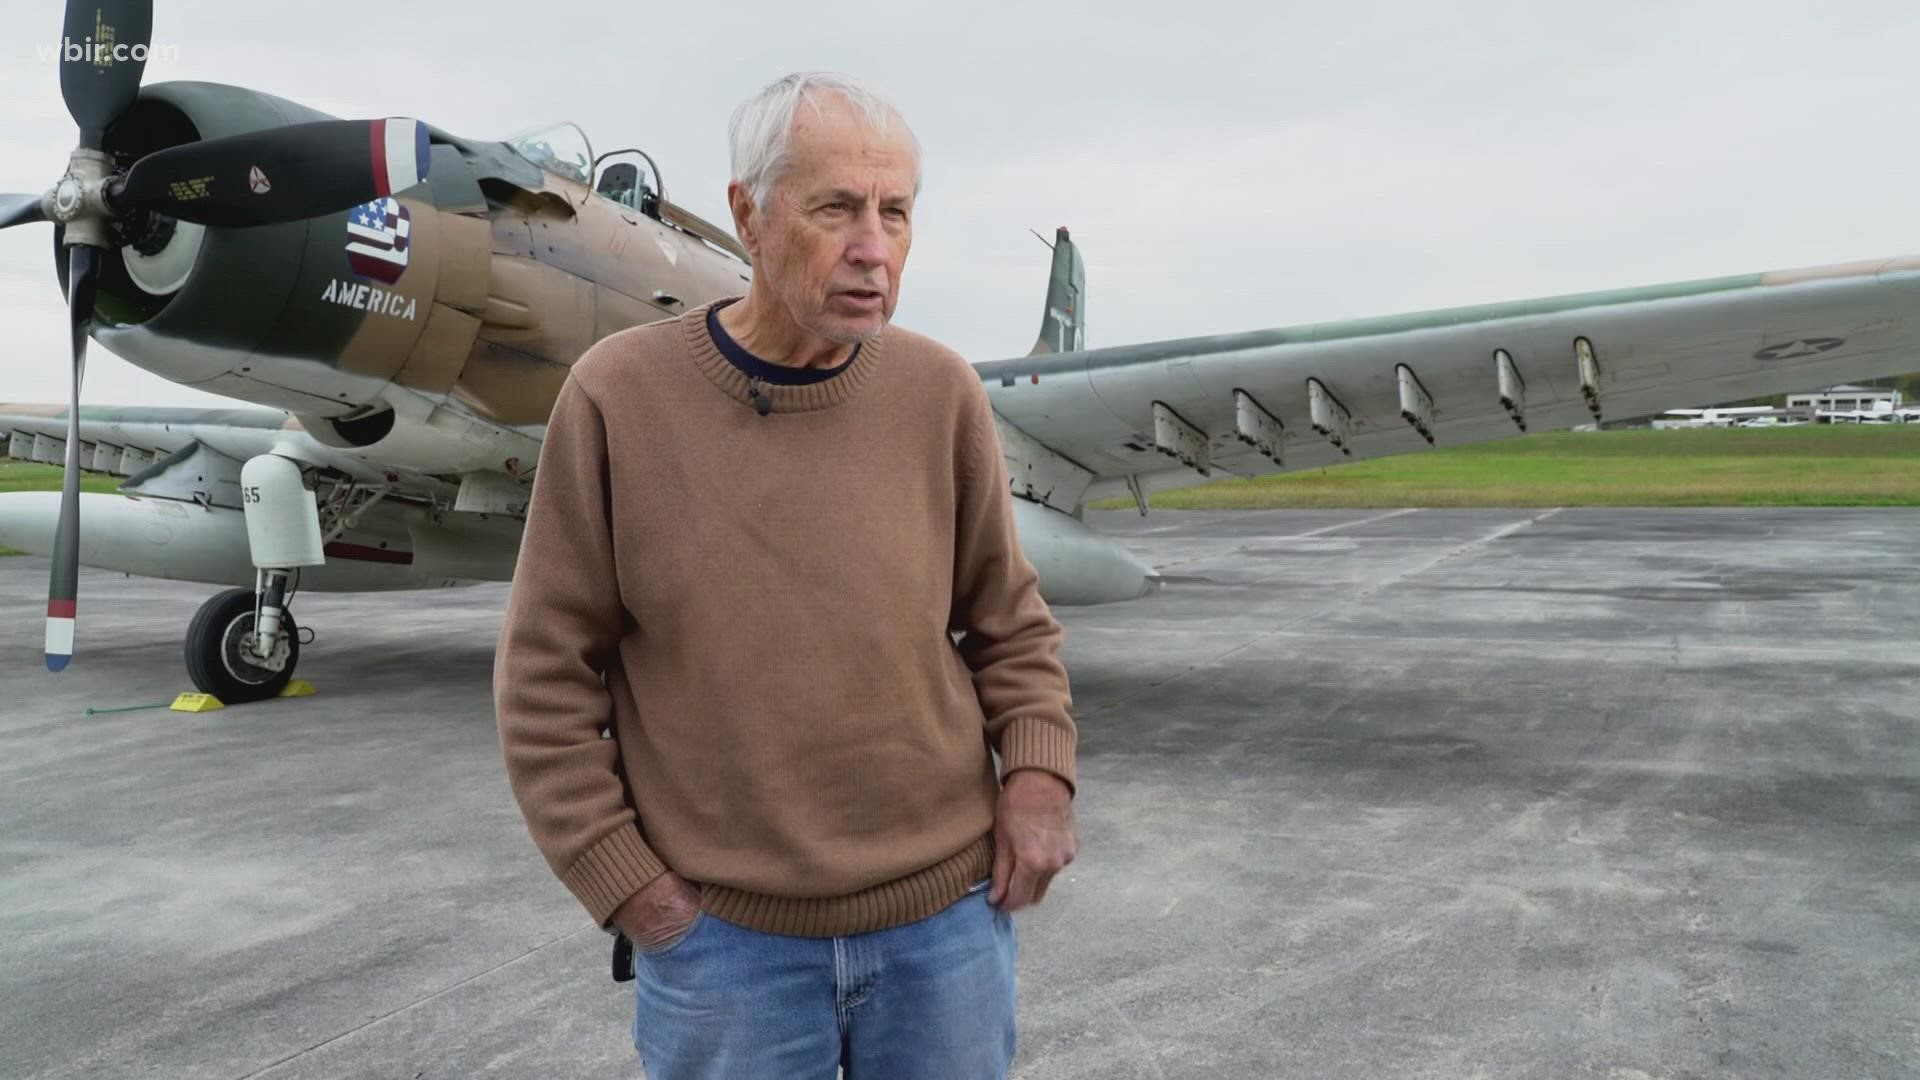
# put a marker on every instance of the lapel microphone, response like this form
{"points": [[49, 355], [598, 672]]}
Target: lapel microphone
{"points": [[762, 404]]}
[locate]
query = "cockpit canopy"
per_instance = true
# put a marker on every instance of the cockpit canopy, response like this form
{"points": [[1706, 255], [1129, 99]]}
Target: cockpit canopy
{"points": [[629, 178], [561, 149], [626, 177]]}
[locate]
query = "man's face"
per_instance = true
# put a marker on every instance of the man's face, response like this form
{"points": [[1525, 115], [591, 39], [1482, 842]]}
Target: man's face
{"points": [[833, 239]]}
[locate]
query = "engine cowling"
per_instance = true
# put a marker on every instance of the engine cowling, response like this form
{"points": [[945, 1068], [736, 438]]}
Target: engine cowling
{"points": [[314, 316]]}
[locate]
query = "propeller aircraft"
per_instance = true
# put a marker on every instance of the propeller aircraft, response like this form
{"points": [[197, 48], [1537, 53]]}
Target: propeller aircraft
{"points": [[399, 305]]}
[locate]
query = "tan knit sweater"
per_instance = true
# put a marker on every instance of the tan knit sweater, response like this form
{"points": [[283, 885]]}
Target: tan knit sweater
{"points": [[769, 600]]}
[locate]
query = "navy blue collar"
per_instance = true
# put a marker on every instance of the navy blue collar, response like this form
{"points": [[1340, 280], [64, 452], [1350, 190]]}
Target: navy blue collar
{"points": [[766, 371]]}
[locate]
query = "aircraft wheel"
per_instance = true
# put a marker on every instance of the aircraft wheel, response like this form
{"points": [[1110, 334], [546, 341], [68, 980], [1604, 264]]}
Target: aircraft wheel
{"points": [[216, 660]]}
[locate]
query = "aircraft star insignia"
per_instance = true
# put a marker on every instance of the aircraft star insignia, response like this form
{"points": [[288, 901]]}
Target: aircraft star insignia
{"points": [[1793, 350]]}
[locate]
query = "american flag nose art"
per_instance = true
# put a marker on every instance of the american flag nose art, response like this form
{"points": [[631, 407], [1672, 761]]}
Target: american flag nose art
{"points": [[377, 239]]}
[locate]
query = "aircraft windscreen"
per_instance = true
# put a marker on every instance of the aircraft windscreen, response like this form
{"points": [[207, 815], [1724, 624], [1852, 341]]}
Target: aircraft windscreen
{"points": [[561, 149]]}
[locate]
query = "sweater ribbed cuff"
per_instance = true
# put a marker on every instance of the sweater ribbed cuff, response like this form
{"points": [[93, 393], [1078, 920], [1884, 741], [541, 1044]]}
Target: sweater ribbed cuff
{"points": [[1031, 742], [612, 870]]}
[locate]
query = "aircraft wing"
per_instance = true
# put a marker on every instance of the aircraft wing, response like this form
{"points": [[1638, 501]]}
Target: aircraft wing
{"points": [[378, 519], [128, 440], [38, 433], [1087, 424]]}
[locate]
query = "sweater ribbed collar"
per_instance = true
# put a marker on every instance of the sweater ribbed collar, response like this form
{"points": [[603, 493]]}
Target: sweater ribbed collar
{"points": [[806, 397]]}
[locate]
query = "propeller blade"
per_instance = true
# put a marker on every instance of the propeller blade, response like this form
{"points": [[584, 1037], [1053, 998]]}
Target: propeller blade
{"points": [[281, 174], [99, 72], [83, 265], [19, 210]]}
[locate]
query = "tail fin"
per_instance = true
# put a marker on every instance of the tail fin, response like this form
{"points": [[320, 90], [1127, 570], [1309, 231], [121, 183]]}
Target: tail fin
{"points": [[1063, 326]]}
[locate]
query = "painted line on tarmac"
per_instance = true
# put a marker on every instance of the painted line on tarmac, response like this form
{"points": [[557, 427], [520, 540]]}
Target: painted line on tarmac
{"points": [[1350, 524], [1345, 600]]}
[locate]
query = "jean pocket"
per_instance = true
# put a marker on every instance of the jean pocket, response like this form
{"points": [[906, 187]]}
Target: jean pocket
{"points": [[675, 941]]}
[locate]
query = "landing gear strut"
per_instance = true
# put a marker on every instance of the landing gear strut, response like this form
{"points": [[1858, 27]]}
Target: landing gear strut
{"points": [[243, 645], [223, 647]]}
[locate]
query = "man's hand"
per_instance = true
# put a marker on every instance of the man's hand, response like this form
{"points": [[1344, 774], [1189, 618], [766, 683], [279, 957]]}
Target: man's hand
{"points": [[658, 913], [1033, 837]]}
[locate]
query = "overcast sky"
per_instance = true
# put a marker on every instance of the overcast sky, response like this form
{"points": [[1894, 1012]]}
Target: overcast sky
{"points": [[1223, 166]]}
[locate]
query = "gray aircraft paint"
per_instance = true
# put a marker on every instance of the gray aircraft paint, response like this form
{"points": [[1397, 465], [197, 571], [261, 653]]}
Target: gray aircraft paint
{"points": [[1691, 339]]}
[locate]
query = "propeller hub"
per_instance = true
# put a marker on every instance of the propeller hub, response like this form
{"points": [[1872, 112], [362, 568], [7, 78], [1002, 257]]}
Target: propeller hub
{"points": [[79, 202], [64, 202]]}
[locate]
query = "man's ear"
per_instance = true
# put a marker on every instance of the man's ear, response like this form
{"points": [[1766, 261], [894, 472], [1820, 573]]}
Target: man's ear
{"points": [[745, 222]]}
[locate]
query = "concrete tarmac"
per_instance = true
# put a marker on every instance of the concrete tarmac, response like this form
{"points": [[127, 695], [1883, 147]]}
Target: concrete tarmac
{"points": [[1591, 793]]}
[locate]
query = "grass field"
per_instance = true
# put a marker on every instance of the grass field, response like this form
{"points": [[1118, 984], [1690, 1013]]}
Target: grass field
{"points": [[1824, 465], [1815, 465]]}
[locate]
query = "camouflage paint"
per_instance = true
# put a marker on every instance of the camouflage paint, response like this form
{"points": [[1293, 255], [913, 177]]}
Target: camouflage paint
{"points": [[512, 273], [1063, 322], [1154, 352], [266, 419]]}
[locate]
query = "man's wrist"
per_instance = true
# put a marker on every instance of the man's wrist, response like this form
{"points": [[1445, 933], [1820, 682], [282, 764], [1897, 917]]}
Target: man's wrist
{"points": [[1031, 774], [1033, 742], [615, 869]]}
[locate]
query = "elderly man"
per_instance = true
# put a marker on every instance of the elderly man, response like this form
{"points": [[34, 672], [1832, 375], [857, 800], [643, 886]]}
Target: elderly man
{"points": [[755, 531]]}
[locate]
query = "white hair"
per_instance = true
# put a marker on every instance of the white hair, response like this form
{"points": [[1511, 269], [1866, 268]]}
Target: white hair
{"points": [[761, 131]]}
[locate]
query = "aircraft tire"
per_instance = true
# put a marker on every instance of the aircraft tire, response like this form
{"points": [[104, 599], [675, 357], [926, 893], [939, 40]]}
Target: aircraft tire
{"points": [[213, 650]]}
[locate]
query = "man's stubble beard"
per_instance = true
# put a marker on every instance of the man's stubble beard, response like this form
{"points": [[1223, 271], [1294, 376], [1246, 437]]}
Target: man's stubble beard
{"points": [[851, 337], [839, 334]]}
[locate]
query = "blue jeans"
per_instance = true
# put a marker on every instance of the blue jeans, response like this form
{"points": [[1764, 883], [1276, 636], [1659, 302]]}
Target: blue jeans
{"points": [[930, 999]]}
